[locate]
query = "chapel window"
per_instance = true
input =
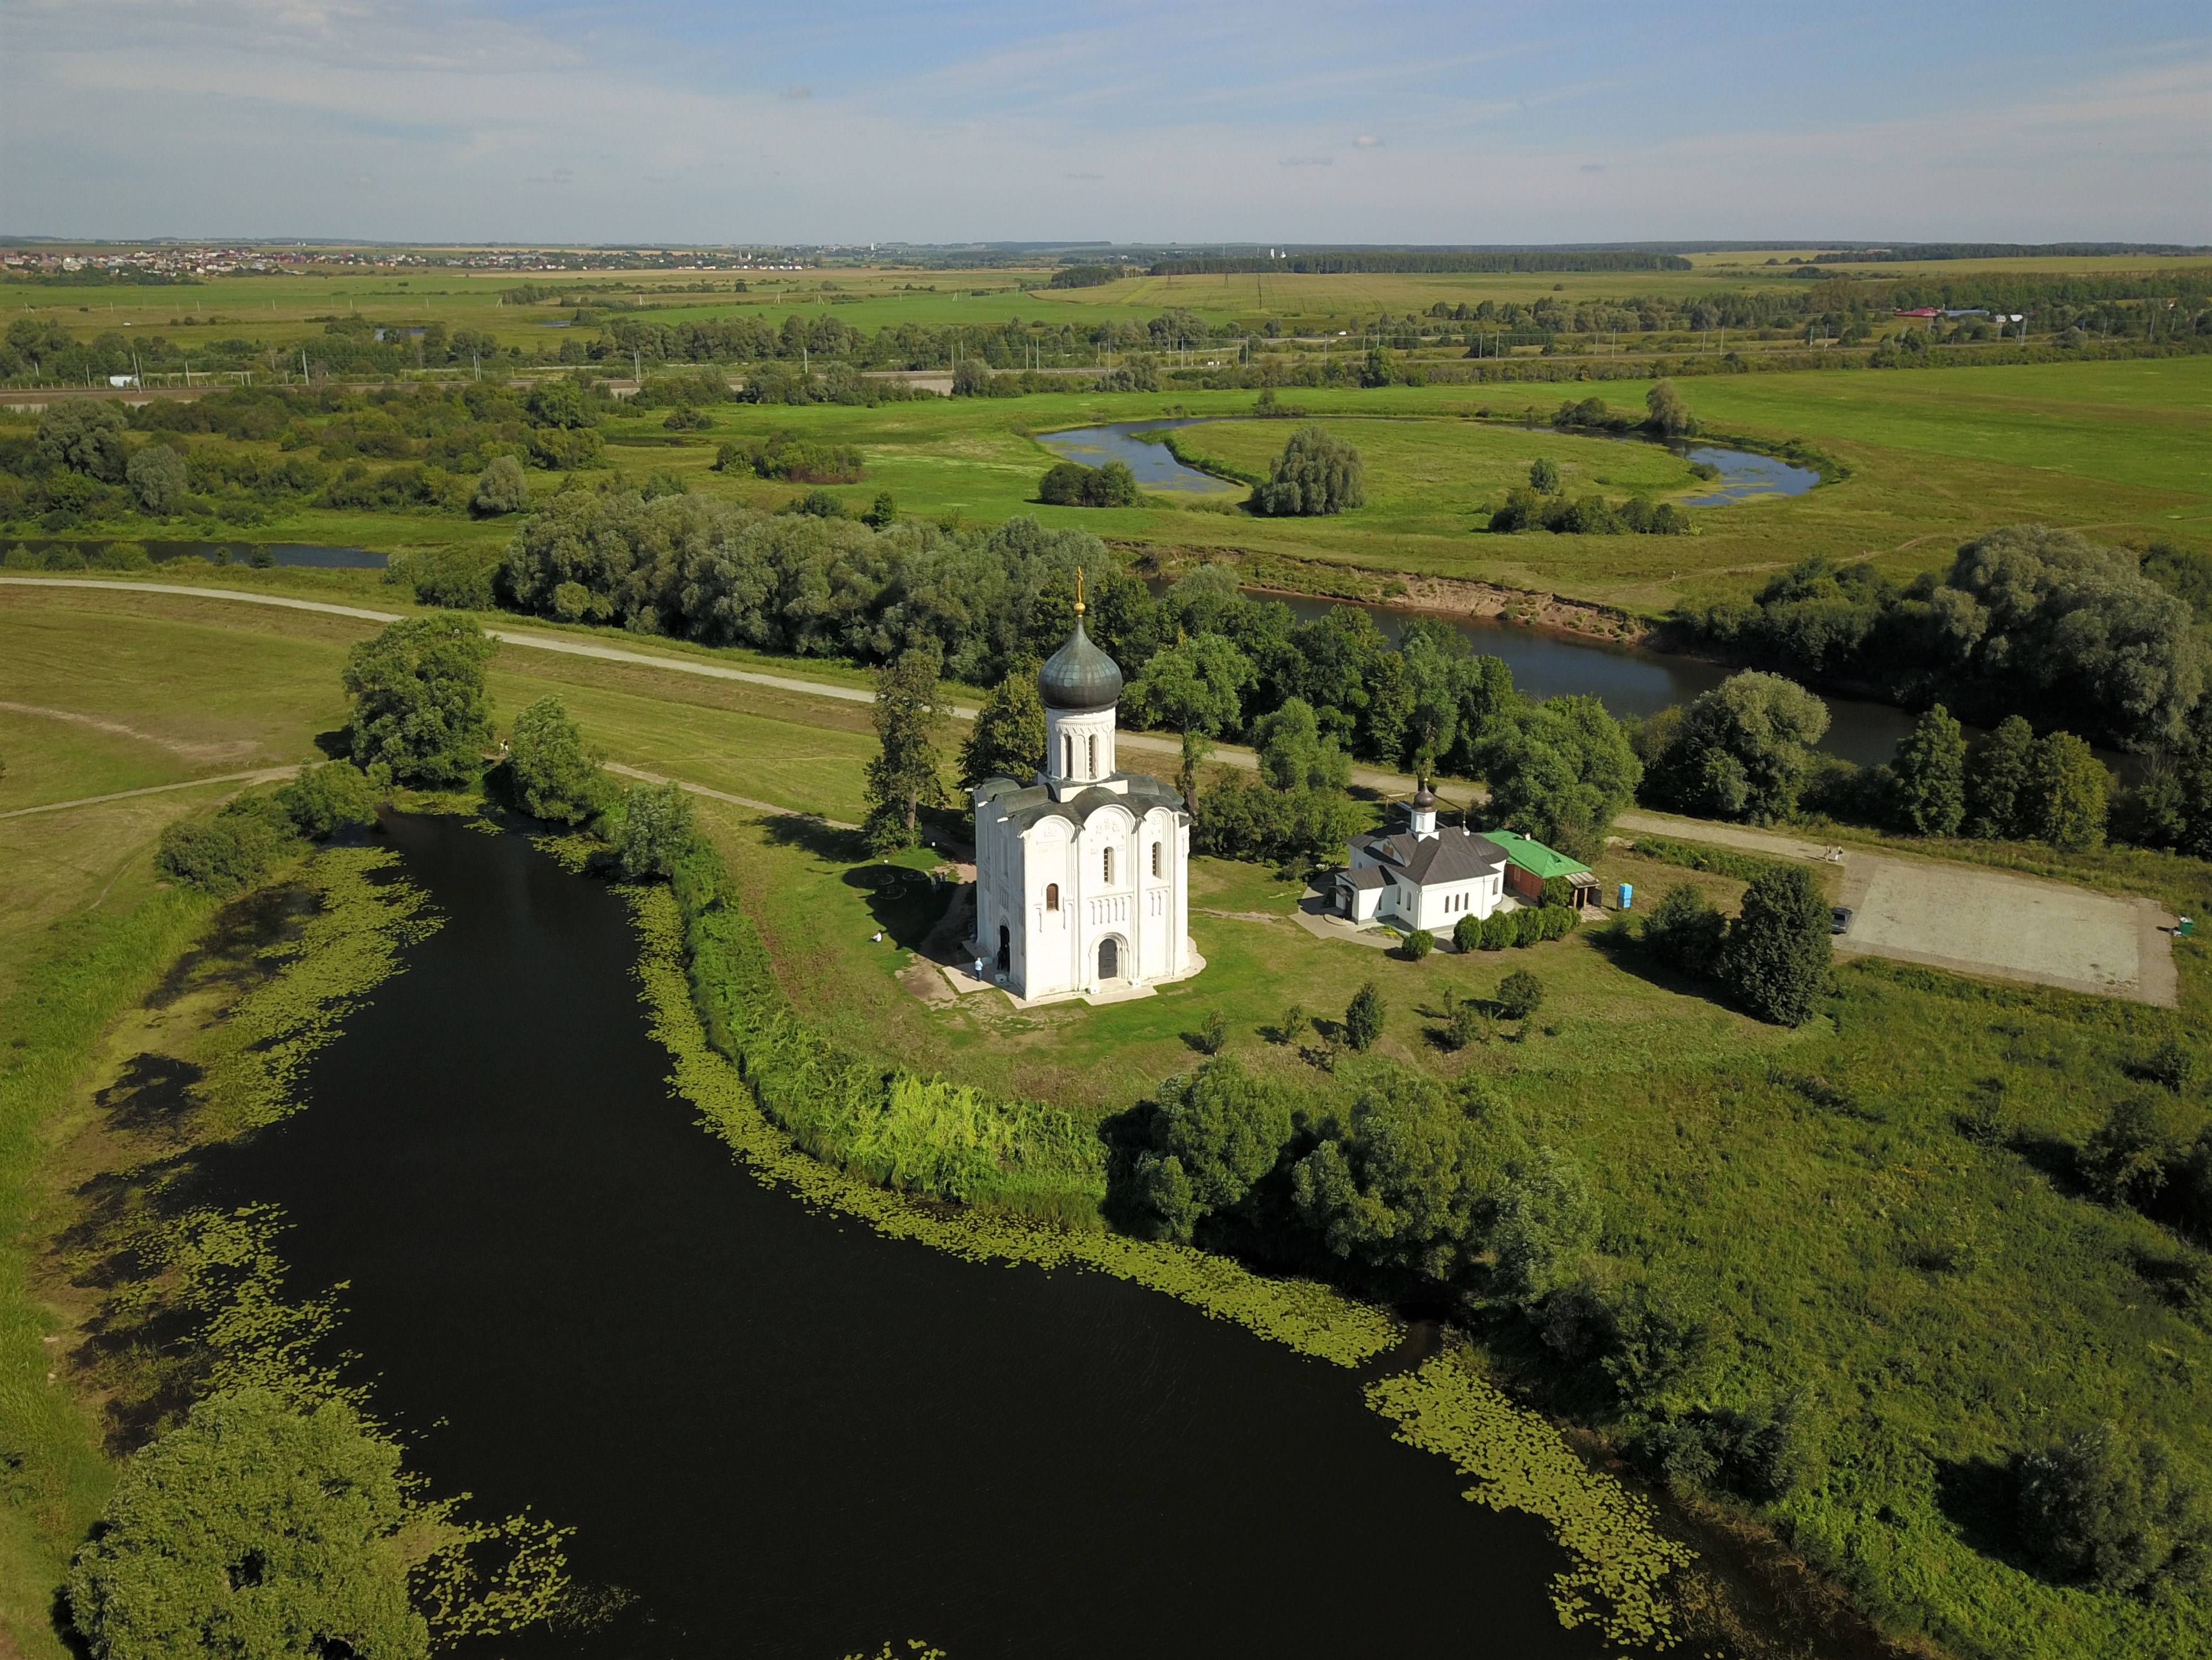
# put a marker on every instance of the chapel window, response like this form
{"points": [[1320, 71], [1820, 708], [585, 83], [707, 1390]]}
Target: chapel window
{"points": [[1110, 866], [1052, 896], [1092, 770], [1067, 751], [1156, 858]]}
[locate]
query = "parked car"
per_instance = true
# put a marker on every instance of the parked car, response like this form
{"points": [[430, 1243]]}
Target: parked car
{"points": [[1839, 919]]}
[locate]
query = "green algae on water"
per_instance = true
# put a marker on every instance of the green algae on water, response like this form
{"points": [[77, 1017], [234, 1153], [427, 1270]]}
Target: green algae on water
{"points": [[1520, 1463]]}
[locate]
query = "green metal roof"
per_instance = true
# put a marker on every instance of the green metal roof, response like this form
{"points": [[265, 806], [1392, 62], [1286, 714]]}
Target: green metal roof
{"points": [[1534, 856]]}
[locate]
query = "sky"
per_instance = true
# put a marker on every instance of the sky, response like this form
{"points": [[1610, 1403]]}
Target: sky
{"points": [[953, 120]]}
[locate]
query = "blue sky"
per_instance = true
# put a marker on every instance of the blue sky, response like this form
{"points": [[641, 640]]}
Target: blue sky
{"points": [[839, 120]]}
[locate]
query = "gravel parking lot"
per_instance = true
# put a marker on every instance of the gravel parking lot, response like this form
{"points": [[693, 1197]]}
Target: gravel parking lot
{"points": [[2014, 928]]}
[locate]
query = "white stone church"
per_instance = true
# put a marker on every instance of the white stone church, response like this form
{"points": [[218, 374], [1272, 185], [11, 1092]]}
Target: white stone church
{"points": [[1082, 873]]}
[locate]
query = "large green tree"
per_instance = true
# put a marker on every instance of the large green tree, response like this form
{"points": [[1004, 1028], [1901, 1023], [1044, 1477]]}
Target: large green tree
{"points": [[1197, 687], [1293, 754], [1399, 1183], [1217, 1131], [1316, 473], [1997, 765], [419, 705], [253, 1532], [1777, 954], [906, 773], [556, 775], [2069, 793], [1928, 779], [1007, 740], [1741, 750], [1560, 771]]}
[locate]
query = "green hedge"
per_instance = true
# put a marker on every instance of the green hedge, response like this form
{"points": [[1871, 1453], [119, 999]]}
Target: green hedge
{"points": [[1716, 861], [891, 1126]]}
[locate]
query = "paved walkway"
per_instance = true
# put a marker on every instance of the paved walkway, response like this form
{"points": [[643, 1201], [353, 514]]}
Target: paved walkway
{"points": [[1968, 918]]}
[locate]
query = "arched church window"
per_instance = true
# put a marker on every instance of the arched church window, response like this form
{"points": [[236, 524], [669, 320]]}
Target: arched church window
{"points": [[1110, 866], [1092, 771], [1067, 752], [1156, 858], [1052, 896]]}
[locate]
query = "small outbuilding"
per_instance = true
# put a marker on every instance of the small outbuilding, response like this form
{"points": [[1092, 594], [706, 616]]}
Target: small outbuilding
{"points": [[1530, 864]]}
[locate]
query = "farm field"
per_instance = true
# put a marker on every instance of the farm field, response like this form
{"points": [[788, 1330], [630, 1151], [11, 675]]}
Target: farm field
{"points": [[287, 310]]}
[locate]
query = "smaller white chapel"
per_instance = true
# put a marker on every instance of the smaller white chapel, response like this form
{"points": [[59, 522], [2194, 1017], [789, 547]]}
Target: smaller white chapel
{"points": [[1424, 876], [1081, 873]]}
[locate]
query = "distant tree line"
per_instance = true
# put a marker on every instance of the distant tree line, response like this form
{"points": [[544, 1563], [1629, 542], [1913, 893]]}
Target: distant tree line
{"points": [[1382, 261]]}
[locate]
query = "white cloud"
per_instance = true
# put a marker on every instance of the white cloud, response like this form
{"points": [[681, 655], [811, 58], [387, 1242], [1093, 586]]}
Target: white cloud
{"points": [[1368, 141]]}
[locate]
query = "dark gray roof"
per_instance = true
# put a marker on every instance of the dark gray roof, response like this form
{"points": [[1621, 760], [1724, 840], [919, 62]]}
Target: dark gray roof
{"points": [[1025, 804], [1366, 876], [1079, 678], [1450, 855]]}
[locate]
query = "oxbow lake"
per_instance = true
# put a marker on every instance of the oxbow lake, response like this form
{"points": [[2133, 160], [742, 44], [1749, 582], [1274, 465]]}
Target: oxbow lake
{"points": [[778, 1433]]}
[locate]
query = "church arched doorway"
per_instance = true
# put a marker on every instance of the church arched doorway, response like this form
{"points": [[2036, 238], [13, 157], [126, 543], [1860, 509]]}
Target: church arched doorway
{"points": [[1109, 960], [1005, 948]]}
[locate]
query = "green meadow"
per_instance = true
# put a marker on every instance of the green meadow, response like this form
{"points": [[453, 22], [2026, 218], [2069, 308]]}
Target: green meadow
{"points": [[1945, 1294]]}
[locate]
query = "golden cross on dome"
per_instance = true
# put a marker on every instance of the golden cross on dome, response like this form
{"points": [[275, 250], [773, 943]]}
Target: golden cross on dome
{"points": [[1078, 590]]}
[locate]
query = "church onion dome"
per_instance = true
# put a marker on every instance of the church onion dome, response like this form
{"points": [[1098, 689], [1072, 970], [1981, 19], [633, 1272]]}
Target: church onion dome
{"points": [[1080, 678], [1424, 798]]}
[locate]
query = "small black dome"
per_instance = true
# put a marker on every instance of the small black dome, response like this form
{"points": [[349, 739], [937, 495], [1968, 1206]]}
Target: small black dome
{"points": [[1080, 677]]}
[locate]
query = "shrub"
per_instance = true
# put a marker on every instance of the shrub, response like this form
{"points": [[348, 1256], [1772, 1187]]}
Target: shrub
{"points": [[1362, 1017], [1212, 1033], [1528, 926], [2117, 1511], [232, 849], [686, 418], [2126, 1157], [458, 579], [324, 801], [1418, 944], [971, 378], [1072, 484], [1520, 995], [1544, 475], [1499, 930], [253, 1529], [1467, 934], [1684, 930]]}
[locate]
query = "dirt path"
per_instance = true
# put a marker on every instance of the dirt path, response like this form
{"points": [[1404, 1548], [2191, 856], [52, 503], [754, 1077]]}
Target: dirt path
{"points": [[1963, 917], [233, 749], [267, 776]]}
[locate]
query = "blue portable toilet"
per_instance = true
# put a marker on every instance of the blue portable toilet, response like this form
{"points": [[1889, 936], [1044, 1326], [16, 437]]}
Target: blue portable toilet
{"points": [[1627, 896]]}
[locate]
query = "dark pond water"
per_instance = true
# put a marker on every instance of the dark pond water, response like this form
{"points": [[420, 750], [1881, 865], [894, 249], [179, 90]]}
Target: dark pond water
{"points": [[1628, 681], [221, 553], [781, 1434]]}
